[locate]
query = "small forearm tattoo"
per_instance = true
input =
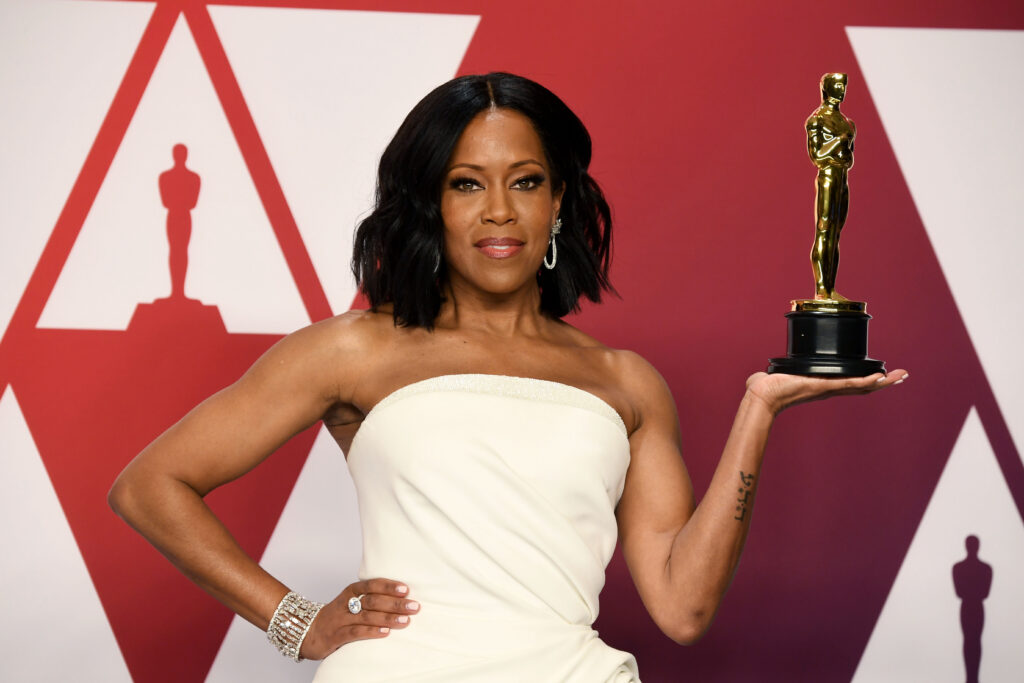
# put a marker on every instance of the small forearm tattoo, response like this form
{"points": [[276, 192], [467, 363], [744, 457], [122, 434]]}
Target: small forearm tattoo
{"points": [[745, 489]]}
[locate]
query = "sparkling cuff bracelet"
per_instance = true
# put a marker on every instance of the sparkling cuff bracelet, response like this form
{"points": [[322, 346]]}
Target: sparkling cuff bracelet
{"points": [[290, 624]]}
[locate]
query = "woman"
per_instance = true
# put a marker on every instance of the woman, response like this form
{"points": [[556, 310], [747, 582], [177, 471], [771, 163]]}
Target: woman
{"points": [[500, 451]]}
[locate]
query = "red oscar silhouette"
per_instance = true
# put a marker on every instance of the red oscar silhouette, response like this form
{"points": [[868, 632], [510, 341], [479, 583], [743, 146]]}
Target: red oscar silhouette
{"points": [[179, 192]]}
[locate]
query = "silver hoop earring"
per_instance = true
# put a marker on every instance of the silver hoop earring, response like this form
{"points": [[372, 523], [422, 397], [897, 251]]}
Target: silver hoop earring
{"points": [[555, 229]]}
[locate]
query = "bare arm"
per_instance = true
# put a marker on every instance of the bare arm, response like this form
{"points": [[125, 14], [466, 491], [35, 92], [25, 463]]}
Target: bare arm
{"points": [[160, 493], [683, 557]]}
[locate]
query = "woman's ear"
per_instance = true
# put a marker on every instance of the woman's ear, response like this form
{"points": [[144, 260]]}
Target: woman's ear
{"points": [[556, 199]]}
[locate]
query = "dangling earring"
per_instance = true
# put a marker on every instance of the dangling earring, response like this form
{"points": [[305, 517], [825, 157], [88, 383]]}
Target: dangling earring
{"points": [[555, 229], [437, 262]]}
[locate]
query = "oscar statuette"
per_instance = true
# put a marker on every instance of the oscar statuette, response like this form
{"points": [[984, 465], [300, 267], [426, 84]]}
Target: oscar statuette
{"points": [[828, 335]]}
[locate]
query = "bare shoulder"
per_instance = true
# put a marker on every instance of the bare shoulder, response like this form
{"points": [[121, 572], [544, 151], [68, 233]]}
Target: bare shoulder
{"points": [[635, 370], [643, 384], [328, 355], [602, 360], [354, 332], [637, 385], [630, 372], [351, 331]]}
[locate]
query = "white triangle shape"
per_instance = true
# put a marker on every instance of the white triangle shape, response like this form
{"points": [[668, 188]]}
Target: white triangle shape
{"points": [[952, 107], [120, 257], [918, 636], [315, 549], [327, 98], [48, 597], [53, 103]]}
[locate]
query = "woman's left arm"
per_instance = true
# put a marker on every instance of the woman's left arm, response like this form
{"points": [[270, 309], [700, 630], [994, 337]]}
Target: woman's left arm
{"points": [[683, 556]]}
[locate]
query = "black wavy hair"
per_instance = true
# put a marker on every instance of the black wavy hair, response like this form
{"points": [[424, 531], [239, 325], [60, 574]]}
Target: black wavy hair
{"points": [[398, 248]]}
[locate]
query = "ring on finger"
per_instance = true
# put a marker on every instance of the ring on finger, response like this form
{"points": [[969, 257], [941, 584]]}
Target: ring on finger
{"points": [[355, 604]]}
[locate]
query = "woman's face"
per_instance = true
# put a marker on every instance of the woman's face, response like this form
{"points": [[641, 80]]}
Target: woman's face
{"points": [[497, 204]]}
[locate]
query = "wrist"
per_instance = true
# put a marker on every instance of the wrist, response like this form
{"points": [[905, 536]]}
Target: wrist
{"points": [[760, 405], [291, 623]]}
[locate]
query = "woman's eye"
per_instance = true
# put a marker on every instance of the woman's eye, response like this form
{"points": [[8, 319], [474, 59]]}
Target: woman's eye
{"points": [[463, 184], [528, 183]]}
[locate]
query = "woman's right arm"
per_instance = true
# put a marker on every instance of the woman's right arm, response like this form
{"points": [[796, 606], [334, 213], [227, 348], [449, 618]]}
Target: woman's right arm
{"points": [[160, 493]]}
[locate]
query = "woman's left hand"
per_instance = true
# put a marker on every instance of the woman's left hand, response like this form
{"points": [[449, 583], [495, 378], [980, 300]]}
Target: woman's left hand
{"points": [[780, 391]]}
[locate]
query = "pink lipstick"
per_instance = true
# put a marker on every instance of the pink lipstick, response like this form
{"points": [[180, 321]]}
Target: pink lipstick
{"points": [[499, 247]]}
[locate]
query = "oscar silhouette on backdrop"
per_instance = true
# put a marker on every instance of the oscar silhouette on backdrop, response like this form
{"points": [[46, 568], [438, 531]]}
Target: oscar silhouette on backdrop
{"points": [[179, 193], [972, 580]]}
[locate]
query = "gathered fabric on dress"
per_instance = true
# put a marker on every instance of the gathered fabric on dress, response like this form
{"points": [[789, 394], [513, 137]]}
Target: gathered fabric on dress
{"points": [[492, 498]]}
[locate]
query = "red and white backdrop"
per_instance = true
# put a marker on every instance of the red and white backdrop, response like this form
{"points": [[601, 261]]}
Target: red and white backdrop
{"points": [[697, 111]]}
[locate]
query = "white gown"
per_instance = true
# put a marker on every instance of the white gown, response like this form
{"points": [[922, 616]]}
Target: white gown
{"points": [[493, 498]]}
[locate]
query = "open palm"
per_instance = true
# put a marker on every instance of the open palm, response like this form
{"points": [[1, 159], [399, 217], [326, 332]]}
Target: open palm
{"points": [[780, 391]]}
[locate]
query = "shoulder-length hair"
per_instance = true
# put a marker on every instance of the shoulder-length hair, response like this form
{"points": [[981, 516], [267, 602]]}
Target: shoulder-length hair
{"points": [[398, 249]]}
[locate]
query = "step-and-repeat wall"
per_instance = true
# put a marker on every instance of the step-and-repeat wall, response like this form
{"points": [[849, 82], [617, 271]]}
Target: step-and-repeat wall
{"points": [[254, 128]]}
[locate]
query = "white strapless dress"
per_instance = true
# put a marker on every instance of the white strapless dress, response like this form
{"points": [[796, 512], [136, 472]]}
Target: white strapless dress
{"points": [[493, 498]]}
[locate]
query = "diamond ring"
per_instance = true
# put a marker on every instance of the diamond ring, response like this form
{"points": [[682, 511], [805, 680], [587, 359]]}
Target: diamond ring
{"points": [[355, 605]]}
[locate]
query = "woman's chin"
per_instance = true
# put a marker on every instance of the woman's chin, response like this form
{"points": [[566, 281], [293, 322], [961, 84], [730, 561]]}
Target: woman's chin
{"points": [[504, 283]]}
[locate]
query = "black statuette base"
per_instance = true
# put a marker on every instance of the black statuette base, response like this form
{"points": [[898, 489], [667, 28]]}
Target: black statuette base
{"points": [[823, 343]]}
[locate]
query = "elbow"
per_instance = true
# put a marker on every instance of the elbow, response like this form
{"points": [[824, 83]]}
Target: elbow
{"points": [[142, 498], [119, 496], [124, 497], [687, 632], [687, 626]]}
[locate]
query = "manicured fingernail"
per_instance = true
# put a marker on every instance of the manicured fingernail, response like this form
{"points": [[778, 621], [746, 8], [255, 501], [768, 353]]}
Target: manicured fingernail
{"points": [[880, 379], [402, 590], [402, 619], [899, 381], [413, 605], [385, 629], [904, 376]]}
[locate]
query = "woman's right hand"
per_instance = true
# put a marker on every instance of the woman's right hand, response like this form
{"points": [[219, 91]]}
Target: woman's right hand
{"points": [[386, 605]]}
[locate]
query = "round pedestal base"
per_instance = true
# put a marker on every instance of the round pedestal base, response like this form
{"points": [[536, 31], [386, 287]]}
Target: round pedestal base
{"points": [[823, 365], [827, 343]]}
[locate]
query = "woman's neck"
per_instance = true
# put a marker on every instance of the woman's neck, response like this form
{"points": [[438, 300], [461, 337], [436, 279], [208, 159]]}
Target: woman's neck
{"points": [[504, 315]]}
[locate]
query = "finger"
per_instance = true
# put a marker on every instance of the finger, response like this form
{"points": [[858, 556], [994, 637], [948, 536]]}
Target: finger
{"points": [[387, 587], [363, 632], [877, 381], [389, 619], [823, 387], [385, 603], [893, 377], [383, 586], [866, 382], [879, 377]]}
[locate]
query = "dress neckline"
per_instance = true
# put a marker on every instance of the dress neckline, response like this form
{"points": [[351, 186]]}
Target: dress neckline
{"points": [[506, 385]]}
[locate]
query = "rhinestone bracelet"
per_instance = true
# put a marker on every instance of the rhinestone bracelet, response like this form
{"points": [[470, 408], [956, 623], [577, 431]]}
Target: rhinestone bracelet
{"points": [[290, 624]]}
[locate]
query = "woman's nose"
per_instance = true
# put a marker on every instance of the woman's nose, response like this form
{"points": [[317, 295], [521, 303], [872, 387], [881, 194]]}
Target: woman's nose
{"points": [[499, 207]]}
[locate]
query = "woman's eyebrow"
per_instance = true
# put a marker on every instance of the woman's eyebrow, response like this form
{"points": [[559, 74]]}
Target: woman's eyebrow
{"points": [[524, 162], [477, 167]]}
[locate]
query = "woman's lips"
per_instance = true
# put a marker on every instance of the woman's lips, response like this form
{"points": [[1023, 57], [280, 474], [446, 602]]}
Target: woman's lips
{"points": [[499, 247]]}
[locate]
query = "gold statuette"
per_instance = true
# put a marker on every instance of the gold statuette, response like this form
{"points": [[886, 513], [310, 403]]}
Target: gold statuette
{"points": [[828, 335]]}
